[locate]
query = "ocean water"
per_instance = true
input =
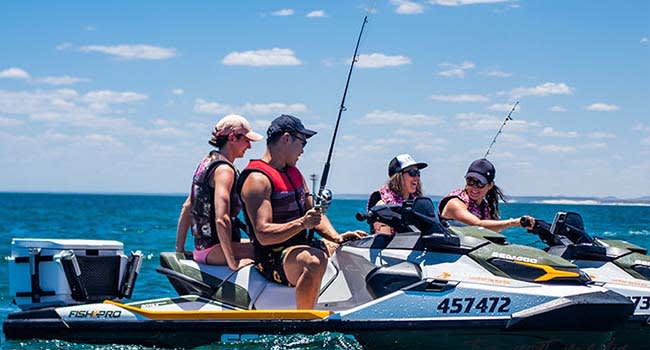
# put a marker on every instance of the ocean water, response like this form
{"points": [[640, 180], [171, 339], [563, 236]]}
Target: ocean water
{"points": [[148, 223]]}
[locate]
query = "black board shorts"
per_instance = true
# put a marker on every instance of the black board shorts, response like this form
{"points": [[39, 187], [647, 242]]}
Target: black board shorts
{"points": [[271, 264]]}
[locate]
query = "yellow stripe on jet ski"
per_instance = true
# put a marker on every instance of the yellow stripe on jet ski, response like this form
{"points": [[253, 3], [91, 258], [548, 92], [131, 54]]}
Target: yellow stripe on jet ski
{"points": [[551, 272], [226, 314]]}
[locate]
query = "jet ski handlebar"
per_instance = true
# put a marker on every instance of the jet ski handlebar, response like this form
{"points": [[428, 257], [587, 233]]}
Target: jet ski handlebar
{"points": [[419, 213]]}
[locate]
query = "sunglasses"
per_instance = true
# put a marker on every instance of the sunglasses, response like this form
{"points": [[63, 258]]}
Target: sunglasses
{"points": [[302, 141], [413, 172], [474, 183]]}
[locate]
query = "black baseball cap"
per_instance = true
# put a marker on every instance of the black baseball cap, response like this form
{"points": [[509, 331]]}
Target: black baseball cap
{"points": [[482, 170], [401, 162], [290, 124]]}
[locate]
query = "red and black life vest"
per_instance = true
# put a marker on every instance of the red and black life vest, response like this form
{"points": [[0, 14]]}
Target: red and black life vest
{"points": [[287, 200]]}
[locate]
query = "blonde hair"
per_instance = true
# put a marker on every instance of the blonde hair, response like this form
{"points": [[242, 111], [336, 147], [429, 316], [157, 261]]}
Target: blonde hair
{"points": [[395, 184]]}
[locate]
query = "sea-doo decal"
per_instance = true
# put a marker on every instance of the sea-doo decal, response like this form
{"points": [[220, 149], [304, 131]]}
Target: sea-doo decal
{"points": [[467, 305], [641, 262], [514, 257]]}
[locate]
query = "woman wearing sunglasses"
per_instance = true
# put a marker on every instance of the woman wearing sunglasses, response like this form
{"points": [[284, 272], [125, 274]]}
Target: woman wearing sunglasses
{"points": [[403, 185], [478, 203]]}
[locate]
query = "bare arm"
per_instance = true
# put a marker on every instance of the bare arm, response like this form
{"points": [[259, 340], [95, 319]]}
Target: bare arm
{"points": [[256, 195], [457, 210], [223, 179], [184, 222]]}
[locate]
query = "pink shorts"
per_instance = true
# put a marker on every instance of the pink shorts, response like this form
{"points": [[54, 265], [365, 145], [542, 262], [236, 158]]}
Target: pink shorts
{"points": [[201, 256]]}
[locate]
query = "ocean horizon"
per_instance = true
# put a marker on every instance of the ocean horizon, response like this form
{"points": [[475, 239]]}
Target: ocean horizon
{"points": [[147, 223]]}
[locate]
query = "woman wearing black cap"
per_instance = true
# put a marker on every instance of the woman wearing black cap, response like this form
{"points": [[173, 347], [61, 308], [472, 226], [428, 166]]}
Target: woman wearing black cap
{"points": [[403, 185], [478, 203]]}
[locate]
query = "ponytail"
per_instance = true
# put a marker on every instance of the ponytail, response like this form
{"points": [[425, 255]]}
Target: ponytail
{"points": [[492, 198]]}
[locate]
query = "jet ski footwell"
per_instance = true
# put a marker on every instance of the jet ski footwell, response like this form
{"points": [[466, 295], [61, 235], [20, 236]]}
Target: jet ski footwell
{"points": [[190, 321]]}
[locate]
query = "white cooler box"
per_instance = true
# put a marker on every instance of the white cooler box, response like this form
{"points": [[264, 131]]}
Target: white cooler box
{"points": [[54, 272]]}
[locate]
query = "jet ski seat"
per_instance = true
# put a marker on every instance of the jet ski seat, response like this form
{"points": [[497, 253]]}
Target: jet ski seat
{"points": [[245, 288]]}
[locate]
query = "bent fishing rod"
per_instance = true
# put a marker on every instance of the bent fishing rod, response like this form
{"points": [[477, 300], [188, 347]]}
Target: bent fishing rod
{"points": [[326, 167], [494, 140], [323, 194]]}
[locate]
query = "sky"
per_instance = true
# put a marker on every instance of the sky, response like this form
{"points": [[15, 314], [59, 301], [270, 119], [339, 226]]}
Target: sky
{"points": [[121, 96]]}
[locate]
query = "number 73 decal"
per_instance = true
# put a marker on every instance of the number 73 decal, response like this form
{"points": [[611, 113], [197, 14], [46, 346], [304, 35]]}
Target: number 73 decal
{"points": [[467, 305], [643, 303]]}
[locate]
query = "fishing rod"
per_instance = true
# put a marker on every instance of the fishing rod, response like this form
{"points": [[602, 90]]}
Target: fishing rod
{"points": [[322, 192], [494, 140]]}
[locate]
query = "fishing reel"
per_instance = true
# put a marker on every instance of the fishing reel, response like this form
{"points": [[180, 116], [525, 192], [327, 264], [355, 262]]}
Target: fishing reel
{"points": [[322, 200]]}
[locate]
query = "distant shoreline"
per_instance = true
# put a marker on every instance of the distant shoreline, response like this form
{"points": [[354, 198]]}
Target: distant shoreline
{"points": [[559, 200]]}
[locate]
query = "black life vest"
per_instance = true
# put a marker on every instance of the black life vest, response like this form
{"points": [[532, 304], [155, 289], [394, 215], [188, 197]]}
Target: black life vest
{"points": [[204, 227]]}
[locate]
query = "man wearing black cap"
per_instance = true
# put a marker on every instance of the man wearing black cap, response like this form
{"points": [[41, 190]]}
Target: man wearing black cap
{"points": [[279, 212]]}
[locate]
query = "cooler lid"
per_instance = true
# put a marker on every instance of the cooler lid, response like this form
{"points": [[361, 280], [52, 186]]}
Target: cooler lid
{"points": [[55, 243]]}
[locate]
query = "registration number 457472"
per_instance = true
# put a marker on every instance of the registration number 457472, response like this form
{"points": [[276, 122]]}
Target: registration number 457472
{"points": [[473, 305]]}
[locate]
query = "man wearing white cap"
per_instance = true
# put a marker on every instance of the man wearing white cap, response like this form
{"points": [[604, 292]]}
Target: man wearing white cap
{"points": [[213, 203]]}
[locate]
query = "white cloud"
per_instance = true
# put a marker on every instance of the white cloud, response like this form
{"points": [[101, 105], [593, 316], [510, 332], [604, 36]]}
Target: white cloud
{"points": [[82, 118], [483, 122], [557, 109], [548, 131], [556, 149], [396, 118], [62, 80], [90, 28], [593, 145], [25, 102], [316, 14], [459, 98], [464, 2], [496, 73], [645, 141], [283, 12], [545, 89], [503, 107], [379, 60], [133, 52], [641, 127], [204, 107], [264, 57], [14, 73], [109, 97], [4, 122], [601, 135], [456, 70], [405, 7], [178, 91], [644, 40], [63, 46], [602, 107]]}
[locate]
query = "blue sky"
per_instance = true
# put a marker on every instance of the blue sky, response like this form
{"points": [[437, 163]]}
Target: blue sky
{"points": [[121, 96]]}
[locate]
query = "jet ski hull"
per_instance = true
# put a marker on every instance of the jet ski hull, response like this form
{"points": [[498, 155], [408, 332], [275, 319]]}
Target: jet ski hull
{"points": [[192, 321]]}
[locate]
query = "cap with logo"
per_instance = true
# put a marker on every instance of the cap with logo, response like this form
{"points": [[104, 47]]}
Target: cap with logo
{"points": [[482, 170], [401, 162]]}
